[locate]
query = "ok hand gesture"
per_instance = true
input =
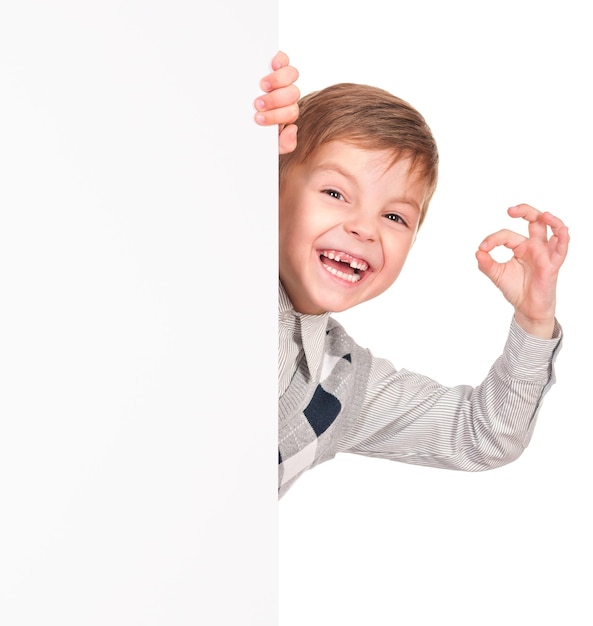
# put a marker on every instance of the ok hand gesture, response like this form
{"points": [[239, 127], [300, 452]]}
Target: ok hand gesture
{"points": [[528, 279]]}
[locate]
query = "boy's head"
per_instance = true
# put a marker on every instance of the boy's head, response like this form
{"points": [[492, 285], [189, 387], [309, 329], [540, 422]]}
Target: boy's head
{"points": [[352, 196]]}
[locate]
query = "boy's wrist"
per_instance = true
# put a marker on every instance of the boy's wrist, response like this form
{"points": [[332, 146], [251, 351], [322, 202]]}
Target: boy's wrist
{"points": [[542, 329], [528, 357]]}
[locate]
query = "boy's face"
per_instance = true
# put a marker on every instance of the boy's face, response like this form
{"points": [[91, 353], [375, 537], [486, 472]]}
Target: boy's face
{"points": [[347, 223]]}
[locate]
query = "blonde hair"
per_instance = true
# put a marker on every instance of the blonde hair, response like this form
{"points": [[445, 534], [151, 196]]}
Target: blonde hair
{"points": [[370, 118]]}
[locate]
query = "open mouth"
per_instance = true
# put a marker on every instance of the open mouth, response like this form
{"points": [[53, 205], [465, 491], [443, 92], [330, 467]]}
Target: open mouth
{"points": [[343, 265]]}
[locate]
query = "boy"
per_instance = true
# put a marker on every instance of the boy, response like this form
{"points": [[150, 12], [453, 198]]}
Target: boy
{"points": [[354, 190]]}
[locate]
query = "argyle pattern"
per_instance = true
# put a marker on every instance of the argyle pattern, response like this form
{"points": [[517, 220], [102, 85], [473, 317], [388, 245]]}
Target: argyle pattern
{"points": [[314, 414]]}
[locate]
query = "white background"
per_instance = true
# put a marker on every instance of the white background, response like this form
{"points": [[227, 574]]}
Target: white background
{"points": [[138, 293], [506, 90]]}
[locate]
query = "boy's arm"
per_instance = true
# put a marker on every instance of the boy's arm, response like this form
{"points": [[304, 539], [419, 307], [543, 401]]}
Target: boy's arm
{"points": [[528, 279], [279, 104], [408, 417], [411, 418]]}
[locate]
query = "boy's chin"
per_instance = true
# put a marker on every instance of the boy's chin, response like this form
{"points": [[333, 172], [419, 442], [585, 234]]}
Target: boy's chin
{"points": [[320, 301], [337, 305]]}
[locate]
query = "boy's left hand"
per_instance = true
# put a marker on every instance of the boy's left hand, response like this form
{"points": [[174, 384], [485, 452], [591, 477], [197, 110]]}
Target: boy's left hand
{"points": [[528, 279]]}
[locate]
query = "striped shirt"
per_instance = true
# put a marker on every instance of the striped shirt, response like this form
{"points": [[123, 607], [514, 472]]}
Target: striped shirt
{"points": [[411, 418]]}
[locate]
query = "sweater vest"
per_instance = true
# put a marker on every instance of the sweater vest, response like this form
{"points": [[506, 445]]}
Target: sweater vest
{"points": [[314, 414]]}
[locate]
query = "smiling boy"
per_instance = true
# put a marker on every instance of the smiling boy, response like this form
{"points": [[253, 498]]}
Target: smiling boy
{"points": [[354, 190]]}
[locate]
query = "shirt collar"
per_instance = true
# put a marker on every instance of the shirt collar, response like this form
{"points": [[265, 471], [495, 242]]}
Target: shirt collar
{"points": [[285, 309], [312, 330]]}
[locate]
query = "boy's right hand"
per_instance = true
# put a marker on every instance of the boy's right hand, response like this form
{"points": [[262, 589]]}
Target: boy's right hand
{"points": [[279, 105]]}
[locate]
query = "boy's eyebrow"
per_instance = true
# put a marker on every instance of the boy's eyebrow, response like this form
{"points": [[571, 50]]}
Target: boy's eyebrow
{"points": [[331, 166]]}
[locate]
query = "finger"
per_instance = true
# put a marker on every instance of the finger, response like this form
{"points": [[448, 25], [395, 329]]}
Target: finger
{"points": [[280, 78], [539, 223], [507, 238], [278, 99], [537, 226], [488, 266], [555, 223], [559, 243], [280, 60], [526, 211], [287, 141], [559, 240], [285, 115]]}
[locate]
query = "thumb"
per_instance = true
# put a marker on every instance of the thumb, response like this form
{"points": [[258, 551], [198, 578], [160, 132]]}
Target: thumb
{"points": [[488, 266], [287, 140]]}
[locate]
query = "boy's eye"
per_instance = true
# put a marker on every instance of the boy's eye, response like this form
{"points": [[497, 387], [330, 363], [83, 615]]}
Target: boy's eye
{"points": [[395, 218], [334, 194]]}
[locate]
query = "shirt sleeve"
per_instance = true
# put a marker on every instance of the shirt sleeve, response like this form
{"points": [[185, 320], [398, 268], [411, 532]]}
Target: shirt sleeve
{"points": [[411, 418]]}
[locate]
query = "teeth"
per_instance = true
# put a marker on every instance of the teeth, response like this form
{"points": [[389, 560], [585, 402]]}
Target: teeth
{"points": [[355, 264], [352, 278]]}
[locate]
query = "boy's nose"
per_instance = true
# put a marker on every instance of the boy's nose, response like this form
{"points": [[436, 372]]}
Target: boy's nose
{"points": [[361, 227]]}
